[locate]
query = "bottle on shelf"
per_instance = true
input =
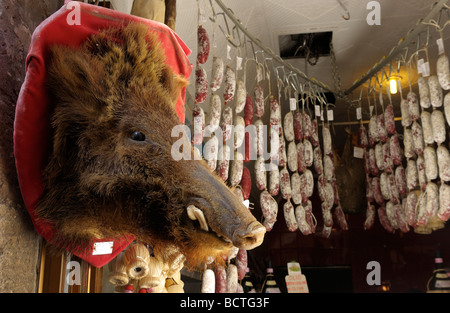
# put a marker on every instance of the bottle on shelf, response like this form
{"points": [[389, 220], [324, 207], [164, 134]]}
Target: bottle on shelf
{"points": [[247, 282], [270, 284], [440, 280]]}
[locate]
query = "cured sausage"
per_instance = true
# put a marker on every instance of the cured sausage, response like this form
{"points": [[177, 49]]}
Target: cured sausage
{"points": [[373, 131], [384, 221], [301, 157], [417, 135], [363, 139], [232, 278], [377, 191], [315, 133], [328, 168], [246, 183], [395, 150], [202, 44], [444, 202], [421, 174], [259, 137], [410, 208], [310, 219], [427, 128], [230, 85], [282, 152], [374, 170], [201, 84], [239, 131], [248, 110], [387, 160], [431, 166], [306, 185], [221, 279], [223, 162], [438, 126], [432, 193], [447, 107], [400, 180], [241, 263], [369, 190], [269, 209], [404, 109], [370, 216], [296, 188], [408, 143], [275, 115], [298, 127], [424, 92], [381, 128], [411, 175], [308, 153], [199, 124], [421, 216], [274, 180], [241, 96], [413, 105], [217, 73], [384, 186], [289, 216], [443, 160], [259, 101], [318, 165], [379, 156], [292, 157], [395, 195], [328, 194], [237, 167], [289, 126], [260, 173], [389, 119], [390, 213], [307, 126], [340, 217], [436, 94], [300, 216], [227, 123], [211, 152], [285, 184], [208, 281], [443, 71], [400, 218], [326, 136], [215, 111]]}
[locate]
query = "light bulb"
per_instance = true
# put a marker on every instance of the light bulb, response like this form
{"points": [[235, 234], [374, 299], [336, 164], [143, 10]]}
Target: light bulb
{"points": [[393, 86]]}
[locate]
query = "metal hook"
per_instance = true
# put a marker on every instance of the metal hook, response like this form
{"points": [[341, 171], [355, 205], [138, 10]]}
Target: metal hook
{"points": [[346, 15]]}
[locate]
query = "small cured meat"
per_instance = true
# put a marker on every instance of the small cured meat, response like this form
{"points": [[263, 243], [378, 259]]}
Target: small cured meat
{"points": [[408, 143], [289, 126], [373, 131], [369, 190], [292, 157], [411, 175], [381, 128], [400, 180], [421, 174], [241, 263], [370, 216], [318, 165], [248, 110], [259, 101], [199, 124], [289, 216], [201, 84], [296, 191], [387, 159], [246, 183], [417, 135], [307, 125], [327, 145], [301, 157], [211, 152], [306, 185], [374, 170], [443, 160], [438, 125], [285, 184], [237, 167], [274, 180], [315, 133], [308, 153], [400, 218], [443, 71], [366, 162], [217, 73], [444, 202], [249, 150], [424, 92], [379, 156], [282, 152], [384, 221], [303, 225], [215, 111], [447, 108], [395, 195], [241, 96], [427, 127], [260, 173], [260, 144], [223, 162], [232, 278], [362, 135], [432, 192], [377, 191], [208, 281], [328, 168], [269, 209], [298, 127], [230, 85], [390, 213], [328, 194], [389, 119], [326, 215], [410, 208], [431, 166], [413, 104], [384, 186], [275, 115], [421, 216], [227, 123], [310, 219], [239, 131], [395, 150], [221, 279], [340, 217], [404, 109], [436, 94], [203, 45]]}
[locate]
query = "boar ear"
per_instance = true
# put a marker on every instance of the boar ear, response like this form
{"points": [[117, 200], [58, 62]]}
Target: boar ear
{"points": [[173, 83]]}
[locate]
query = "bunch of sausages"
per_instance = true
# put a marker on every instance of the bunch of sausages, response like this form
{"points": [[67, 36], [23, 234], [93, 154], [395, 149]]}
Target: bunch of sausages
{"points": [[417, 195]]}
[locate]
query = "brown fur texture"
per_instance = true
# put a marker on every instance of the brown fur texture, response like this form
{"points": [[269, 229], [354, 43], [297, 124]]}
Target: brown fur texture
{"points": [[101, 183]]}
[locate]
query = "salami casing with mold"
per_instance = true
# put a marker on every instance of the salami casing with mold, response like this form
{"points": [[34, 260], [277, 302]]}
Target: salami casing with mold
{"points": [[246, 183], [404, 109], [408, 143], [318, 165], [413, 104], [443, 71], [300, 216], [431, 166], [208, 281], [269, 209], [424, 92], [260, 173], [292, 157], [444, 202], [203, 45], [217, 73], [410, 208], [289, 216], [230, 85], [427, 127], [389, 119], [443, 160], [308, 152], [296, 188], [289, 127], [248, 110], [377, 191], [436, 94], [274, 180], [421, 174], [241, 95], [215, 112], [327, 145], [259, 101], [381, 128], [438, 126], [285, 184], [298, 127], [400, 180], [417, 135], [411, 175], [201, 84], [370, 216]]}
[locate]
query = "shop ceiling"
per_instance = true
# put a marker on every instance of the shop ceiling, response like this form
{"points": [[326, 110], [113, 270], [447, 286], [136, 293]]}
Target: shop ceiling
{"points": [[358, 46]]}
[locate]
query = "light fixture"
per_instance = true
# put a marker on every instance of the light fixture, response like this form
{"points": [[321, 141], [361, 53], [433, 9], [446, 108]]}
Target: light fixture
{"points": [[394, 80]]}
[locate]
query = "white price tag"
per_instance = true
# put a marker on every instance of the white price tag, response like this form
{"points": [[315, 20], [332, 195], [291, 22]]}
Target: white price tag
{"points": [[419, 66], [371, 109], [292, 104], [317, 110], [246, 203], [102, 248], [358, 114], [358, 152], [228, 52], [321, 115], [440, 44], [426, 69], [330, 115], [259, 75], [238, 63]]}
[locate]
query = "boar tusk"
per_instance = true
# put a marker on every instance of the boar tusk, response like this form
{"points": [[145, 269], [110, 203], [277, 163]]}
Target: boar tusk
{"points": [[197, 214]]}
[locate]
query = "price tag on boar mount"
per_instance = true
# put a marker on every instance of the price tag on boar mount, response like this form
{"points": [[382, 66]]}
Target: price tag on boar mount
{"points": [[295, 280]]}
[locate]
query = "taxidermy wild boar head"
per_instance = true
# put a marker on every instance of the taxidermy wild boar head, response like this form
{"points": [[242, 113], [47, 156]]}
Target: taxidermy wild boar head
{"points": [[111, 171]]}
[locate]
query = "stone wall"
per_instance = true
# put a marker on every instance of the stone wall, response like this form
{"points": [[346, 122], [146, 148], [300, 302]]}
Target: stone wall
{"points": [[19, 243]]}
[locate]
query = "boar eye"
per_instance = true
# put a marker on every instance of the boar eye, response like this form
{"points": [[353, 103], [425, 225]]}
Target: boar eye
{"points": [[137, 136]]}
